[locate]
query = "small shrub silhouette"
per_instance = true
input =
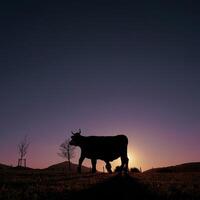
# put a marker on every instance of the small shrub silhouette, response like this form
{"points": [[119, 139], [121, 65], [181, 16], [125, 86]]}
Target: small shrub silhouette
{"points": [[135, 170], [117, 169]]}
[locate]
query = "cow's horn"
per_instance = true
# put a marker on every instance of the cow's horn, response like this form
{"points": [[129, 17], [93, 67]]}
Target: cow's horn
{"points": [[72, 132], [79, 130]]}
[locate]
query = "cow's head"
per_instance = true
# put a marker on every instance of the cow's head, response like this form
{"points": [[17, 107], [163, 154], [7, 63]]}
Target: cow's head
{"points": [[75, 138]]}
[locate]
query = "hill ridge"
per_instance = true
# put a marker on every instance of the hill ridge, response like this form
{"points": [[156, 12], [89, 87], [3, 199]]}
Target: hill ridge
{"points": [[184, 167]]}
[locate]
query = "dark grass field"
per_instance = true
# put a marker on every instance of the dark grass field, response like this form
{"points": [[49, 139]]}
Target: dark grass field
{"points": [[50, 184]]}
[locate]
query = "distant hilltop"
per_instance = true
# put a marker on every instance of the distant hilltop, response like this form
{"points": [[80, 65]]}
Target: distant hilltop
{"points": [[2, 166], [63, 166], [186, 167]]}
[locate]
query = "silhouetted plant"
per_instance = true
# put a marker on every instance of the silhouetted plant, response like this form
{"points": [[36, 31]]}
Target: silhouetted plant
{"points": [[23, 149], [67, 152], [117, 169], [135, 170]]}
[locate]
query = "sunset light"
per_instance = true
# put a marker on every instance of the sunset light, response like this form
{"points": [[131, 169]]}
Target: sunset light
{"points": [[132, 159], [128, 69], [87, 85]]}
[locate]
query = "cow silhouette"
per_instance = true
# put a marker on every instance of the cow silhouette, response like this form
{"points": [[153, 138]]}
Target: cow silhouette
{"points": [[106, 148]]}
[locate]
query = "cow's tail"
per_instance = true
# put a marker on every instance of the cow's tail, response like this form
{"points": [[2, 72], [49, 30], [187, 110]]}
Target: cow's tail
{"points": [[124, 156]]}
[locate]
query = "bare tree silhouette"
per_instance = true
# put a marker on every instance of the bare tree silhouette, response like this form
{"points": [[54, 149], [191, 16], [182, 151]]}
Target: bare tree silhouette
{"points": [[23, 149], [67, 152]]}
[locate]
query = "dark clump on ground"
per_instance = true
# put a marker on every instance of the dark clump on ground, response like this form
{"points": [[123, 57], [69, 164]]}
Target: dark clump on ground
{"points": [[120, 187]]}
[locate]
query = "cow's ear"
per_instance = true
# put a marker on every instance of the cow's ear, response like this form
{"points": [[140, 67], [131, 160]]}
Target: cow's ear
{"points": [[79, 131]]}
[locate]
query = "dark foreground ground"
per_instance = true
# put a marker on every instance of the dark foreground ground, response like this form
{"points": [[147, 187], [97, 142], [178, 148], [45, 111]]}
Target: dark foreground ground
{"points": [[47, 184], [120, 187], [145, 186]]}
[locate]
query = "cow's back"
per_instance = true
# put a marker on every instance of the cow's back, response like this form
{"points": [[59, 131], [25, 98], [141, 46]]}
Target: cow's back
{"points": [[105, 147]]}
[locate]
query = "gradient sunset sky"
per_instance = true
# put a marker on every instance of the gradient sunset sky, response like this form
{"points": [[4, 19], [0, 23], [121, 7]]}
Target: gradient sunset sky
{"points": [[107, 67]]}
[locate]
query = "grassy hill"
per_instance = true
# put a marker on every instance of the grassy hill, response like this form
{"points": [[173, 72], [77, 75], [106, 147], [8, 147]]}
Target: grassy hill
{"points": [[64, 166], [186, 167], [55, 182], [2, 166]]}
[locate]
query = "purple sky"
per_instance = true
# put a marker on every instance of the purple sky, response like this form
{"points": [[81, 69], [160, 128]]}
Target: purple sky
{"points": [[107, 67]]}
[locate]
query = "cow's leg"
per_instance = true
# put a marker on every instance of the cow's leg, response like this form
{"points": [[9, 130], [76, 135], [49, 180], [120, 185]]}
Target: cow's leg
{"points": [[94, 162], [80, 163], [108, 167], [124, 165]]}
